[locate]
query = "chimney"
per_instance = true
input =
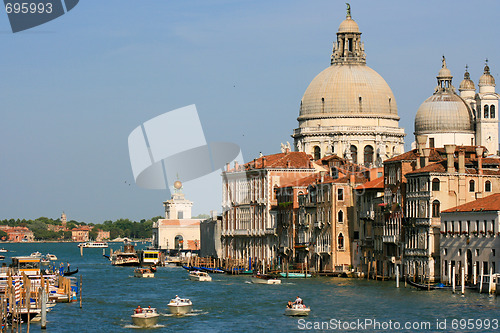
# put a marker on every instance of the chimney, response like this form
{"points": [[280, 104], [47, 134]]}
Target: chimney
{"points": [[479, 155], [264, 160], [450, 150], [353, 178], [322, 174], [461, 160], [427, 153], [417, 165], [236, 166], [227, 166], [421, 142], [288, 164]]}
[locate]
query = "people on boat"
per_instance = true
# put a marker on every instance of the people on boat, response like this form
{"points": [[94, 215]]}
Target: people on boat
{"points": [[177, 298], [138, 309], [61, 269], [67, 269], [289, 305], [298, 300]]}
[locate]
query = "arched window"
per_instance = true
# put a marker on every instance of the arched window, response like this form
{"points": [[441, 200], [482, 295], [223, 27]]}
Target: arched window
{"points": [[486, 111], [487, 186], [340, 241], [435, 208], [472, 186], [354, 154], [492, 111], [340, 216], [368, 155], [435, 184], [317, 152], [179, 242]]}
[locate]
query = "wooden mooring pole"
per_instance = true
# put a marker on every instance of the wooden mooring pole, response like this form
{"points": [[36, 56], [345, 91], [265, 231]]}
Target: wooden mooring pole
{"points": [[81, 290]]}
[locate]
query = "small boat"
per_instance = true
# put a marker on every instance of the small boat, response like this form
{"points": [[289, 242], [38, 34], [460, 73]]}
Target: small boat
{"points": [[199, 276], [297, 310], [145, 317], [180, 306], [51, 256], [68, 273], [4, 250], [94, 244], [422, 286], [212, 270], [264, 279], [2, 257], [295, 275], [36, 254], [144, 273]]}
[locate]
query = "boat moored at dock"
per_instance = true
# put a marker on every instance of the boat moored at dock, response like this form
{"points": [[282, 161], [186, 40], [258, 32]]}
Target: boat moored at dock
{"points": [[127, 257]]}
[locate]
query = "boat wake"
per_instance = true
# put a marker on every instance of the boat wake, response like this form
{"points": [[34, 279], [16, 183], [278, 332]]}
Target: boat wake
{"points": [[139, 327], [190, 314]]}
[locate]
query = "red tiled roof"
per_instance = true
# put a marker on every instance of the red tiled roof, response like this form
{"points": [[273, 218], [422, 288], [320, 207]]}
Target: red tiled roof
{"points": [[293, 160], [306, 181], [372, 184], [490, 203]]}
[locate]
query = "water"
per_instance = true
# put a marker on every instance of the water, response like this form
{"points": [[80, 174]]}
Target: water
{"points": [[232, 303]]}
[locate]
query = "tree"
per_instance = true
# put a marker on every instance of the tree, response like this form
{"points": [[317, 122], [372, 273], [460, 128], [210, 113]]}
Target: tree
{"points": [[4, 235]]}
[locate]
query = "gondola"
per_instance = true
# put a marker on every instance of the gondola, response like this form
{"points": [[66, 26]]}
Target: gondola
{"points": [[67, 273], [422, 286]]}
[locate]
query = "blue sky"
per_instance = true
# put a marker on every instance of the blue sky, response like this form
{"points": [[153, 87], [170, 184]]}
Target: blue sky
{"points": [[73, 89]]}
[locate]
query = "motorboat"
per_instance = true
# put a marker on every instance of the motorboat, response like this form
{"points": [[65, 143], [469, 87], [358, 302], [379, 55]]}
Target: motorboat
{"points": [[4, 250], [180, 306], [145, 317], [36, 254], [94, 244], [295, 275], [51, 256], [199, 276], [144, 273], [264, 279], [297, 310], [127, 257]]}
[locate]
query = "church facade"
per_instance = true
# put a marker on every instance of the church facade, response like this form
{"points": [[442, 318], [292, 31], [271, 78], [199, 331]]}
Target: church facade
{"points": [[348, 109], [466, 119]]}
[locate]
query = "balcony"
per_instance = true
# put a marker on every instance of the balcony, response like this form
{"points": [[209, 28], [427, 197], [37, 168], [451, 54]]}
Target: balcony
{"points": [[390, 239], [241, 232], [416, 252], [318, 224]]}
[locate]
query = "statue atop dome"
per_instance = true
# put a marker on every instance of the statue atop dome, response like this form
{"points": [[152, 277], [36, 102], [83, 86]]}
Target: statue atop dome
{"points": [[348, 10]]}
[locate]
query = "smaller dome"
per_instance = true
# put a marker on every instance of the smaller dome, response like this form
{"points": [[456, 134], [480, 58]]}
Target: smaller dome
{"points": [[467, 83], [348, 25], [487, 79], [444, 72]]}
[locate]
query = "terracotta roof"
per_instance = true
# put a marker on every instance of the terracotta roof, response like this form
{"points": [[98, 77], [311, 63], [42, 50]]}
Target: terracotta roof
{"points": [[490, 203], [347, 179], [435, 155], [372, 184], [179, 223], [432, 167], [306, 181], [292, 160]]}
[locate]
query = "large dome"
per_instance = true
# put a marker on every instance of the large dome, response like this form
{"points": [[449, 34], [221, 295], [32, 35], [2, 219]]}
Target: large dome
{"points": [[443, 112], [348, 90]]}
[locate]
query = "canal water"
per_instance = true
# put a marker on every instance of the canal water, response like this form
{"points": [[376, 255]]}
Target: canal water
{"points": [[233, 304]]}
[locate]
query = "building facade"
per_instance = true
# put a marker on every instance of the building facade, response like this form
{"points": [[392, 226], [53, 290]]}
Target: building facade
{"points": [[178, 231], [248, 227], [470, 238]]}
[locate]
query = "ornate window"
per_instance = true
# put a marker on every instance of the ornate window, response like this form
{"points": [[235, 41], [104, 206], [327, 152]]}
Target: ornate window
{"points": [[435, 184], [486, 111], [354, 154], [487, 186], [368, 155], [340, 241], [472, 186], [317, 152], [435, 208]]}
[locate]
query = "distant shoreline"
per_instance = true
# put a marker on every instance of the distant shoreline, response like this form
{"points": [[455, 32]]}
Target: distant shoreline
{"points": [[55, 241]]}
